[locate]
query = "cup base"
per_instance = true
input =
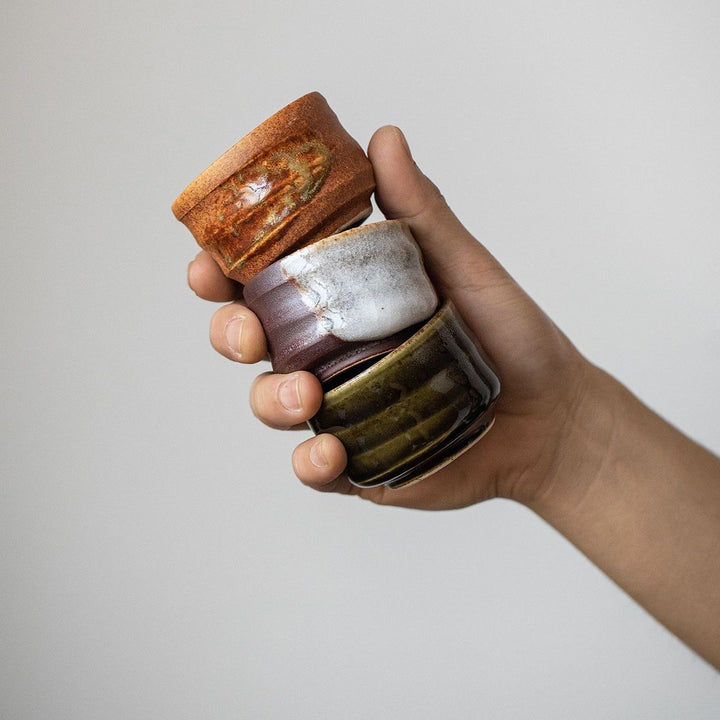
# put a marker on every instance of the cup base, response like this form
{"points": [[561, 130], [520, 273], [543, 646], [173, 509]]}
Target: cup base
{"points": [[452, 448]]}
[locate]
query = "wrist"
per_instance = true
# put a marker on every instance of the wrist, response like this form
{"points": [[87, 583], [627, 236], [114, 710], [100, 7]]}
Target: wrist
{"points": [[642, 502], [586, 429]]}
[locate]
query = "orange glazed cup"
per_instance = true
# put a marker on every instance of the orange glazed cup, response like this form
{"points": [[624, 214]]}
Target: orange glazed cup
{"points": [[296, 178]]}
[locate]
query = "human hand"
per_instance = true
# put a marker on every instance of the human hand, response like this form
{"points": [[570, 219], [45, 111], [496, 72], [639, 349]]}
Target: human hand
{"points": [[544, 378], [640, 499]]}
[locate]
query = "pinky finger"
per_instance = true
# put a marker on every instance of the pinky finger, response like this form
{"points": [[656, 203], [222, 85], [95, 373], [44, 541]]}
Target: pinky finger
{"points": [[319, 462]]}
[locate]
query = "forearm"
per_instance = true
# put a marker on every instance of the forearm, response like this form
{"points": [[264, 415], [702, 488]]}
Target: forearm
{"points": [[642, 501]]}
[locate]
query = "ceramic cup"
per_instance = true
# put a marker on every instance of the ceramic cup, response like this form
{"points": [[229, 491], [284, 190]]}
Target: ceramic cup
{"points": [[416, 409], [296, 178], [343, 300]]}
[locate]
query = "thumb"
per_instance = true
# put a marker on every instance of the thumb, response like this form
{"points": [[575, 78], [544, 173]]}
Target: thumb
{"points": [[403, 192], [461, 268], [506, 320]]}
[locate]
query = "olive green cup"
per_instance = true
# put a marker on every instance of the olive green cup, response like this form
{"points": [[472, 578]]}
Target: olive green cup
{"points": [[416, 409]]}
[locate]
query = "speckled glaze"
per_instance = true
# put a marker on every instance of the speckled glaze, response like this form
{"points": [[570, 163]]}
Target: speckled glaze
{"points": [[296, 178], [416, 409], [342, 300]]}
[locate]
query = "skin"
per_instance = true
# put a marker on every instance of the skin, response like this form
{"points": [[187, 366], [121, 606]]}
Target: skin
{"points": [[640, 499]]}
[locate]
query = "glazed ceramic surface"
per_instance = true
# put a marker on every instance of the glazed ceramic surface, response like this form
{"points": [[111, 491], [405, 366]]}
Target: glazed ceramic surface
{"points": [[343, 299], [296, 178], [415, 409]]}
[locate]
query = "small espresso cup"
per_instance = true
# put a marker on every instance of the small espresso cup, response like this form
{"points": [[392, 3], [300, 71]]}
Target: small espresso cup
{"points": [[343, 301], [297, 177], [416, 409]]}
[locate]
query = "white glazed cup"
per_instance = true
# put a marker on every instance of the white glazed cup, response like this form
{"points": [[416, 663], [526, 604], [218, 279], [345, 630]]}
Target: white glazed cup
{"points": [[342, 301]]}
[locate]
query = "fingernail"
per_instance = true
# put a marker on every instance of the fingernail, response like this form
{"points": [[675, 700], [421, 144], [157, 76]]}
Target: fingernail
{"points": [[189, 274], [289, 394], [233, 336], [403, 142], [317, 455]]}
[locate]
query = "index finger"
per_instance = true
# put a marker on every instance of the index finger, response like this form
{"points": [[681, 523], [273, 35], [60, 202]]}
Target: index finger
{"points": [[206, 279]]}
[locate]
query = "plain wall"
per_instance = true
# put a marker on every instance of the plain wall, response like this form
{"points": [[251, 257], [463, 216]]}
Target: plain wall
{"points": [[157, 557]]}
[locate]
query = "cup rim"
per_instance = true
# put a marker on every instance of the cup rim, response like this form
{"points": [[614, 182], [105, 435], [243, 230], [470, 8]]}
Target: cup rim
{"points": [[345, 234], [341, 236], [445, 309], [238, 154]]}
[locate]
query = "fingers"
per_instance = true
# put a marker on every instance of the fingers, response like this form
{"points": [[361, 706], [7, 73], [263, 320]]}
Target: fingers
{"points": [[236, 333], [319, 462], [208, 282], [283, 401], [280, 401]]}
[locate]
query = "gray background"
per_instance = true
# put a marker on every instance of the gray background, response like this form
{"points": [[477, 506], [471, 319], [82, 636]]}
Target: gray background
{"points": [[157, 557]]}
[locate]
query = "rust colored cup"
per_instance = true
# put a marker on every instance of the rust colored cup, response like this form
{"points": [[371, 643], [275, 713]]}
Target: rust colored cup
{"points": [[296, 178]]}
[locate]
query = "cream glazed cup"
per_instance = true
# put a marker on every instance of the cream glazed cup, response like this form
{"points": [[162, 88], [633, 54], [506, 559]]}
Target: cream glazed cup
{"points": [[337, 305]]}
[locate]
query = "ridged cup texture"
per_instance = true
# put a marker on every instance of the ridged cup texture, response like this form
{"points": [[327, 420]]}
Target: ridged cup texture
{"points": [[416, 408]]}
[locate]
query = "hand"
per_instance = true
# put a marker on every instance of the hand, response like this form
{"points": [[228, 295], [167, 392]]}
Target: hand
{"points": [[640, 499], [543, 377]]}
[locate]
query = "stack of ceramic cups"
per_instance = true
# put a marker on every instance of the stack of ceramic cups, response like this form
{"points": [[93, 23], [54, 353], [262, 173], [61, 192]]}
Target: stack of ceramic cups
{"points": [[406, 389]]}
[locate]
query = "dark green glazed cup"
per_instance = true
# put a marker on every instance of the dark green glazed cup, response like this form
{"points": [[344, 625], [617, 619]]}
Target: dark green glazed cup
{"points": [[416, 409]]}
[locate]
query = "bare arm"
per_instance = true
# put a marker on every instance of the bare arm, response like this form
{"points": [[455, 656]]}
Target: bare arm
{"points": [[642, 501]]}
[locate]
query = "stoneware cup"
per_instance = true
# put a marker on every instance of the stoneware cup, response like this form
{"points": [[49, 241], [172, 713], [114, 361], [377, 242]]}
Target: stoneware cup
{"points": [[416, 409], [296, 178], [343, 300]]}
